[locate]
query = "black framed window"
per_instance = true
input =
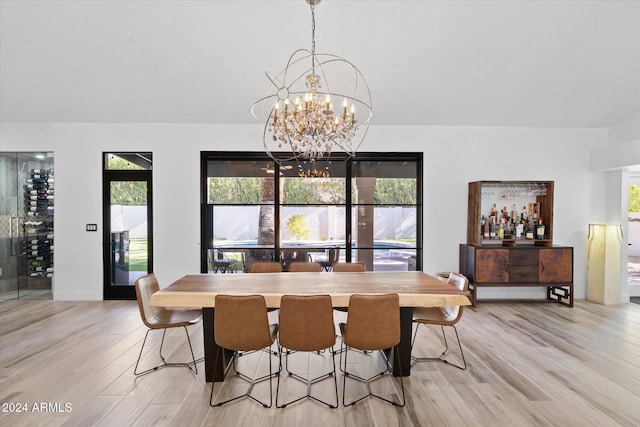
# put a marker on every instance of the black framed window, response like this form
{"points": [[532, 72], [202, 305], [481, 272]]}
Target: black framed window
{"points": [[369, 208]]}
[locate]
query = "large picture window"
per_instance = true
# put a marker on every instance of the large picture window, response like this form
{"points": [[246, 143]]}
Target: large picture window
{"points": [[369, 209]]}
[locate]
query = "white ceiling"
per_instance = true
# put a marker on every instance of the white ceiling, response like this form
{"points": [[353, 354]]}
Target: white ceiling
{"points": [[486, 63]]}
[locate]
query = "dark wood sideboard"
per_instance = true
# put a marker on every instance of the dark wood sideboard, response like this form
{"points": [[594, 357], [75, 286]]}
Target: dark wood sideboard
{"points": [[500, 266]]}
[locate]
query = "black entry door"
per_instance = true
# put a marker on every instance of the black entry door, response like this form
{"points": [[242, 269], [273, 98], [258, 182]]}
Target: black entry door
{"points": [[128, 231]]}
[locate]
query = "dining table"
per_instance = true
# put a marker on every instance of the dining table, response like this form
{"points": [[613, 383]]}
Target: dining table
{"points": [[414, 288]]}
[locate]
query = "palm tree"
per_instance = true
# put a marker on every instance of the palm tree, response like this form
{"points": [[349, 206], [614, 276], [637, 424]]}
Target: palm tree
{"points": [[266, 229]]}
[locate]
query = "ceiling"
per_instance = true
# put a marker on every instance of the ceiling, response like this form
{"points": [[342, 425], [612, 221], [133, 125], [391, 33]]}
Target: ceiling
{"points": [[460, 63]]}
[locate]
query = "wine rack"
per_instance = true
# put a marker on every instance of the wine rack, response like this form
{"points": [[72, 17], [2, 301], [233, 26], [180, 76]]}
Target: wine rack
{"points": [[37, 245]]}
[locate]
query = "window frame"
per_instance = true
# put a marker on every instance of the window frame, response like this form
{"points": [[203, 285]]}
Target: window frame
{"points": [[207, 231]]}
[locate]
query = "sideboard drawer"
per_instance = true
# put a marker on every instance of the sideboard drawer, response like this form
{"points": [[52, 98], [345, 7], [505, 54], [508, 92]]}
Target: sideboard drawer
{"points": [[523, 273], [523, 257]]}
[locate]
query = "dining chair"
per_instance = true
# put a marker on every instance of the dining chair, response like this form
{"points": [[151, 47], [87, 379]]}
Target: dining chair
{"points": [[265, 267], [306, 325], [162, 318], [373, 323], [348, 267], [241, 325], [309, 267], [332, 257], [441, 316], [289, 256]]}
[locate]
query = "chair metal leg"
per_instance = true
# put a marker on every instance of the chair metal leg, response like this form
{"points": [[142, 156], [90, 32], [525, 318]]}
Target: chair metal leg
{"points": [[440, 358], [367, 382], [307, 381], [252, 382], [191, 365]]}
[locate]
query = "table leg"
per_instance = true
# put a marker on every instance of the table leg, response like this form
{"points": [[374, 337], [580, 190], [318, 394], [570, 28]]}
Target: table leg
{"points": [[209, 342], [212, 372], [403, 366]]}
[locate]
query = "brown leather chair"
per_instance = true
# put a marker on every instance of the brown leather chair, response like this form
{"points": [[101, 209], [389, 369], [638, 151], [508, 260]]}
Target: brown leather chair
{"points": [[162, 318], [442, 316], [373, 323], [348, 267], [241, 325], [309, 267], [289, 256], [306, 325], [265, 267], [332, 257]]}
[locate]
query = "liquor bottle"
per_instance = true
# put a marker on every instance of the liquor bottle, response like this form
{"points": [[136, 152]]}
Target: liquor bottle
{"points": [[492, 228], [540, 230], [486, 229], [501, 231], [529, 234]]}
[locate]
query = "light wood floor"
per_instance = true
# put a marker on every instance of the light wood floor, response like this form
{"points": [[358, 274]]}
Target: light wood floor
{"points": [[529, 365]]}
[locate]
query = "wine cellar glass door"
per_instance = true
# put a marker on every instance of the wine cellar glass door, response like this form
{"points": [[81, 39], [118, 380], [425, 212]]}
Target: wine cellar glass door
{"points": [[26, 225], [127, 226]]}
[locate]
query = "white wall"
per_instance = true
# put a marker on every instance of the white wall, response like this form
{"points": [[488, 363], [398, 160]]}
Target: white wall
{"points": [[453, 156]]}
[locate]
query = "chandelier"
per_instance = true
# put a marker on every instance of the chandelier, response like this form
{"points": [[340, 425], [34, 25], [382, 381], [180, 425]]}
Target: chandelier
{"points": [[297, 116]]}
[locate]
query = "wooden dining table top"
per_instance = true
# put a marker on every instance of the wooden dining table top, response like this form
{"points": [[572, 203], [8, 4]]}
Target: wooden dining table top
{"points": [[415, 288]]}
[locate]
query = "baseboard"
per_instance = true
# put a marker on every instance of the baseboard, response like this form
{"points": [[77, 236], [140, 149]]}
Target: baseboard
{"points": [[77, 296]]}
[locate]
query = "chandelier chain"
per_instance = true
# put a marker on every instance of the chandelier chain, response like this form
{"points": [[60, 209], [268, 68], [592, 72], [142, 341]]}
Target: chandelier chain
{"points": [[313, 38]]}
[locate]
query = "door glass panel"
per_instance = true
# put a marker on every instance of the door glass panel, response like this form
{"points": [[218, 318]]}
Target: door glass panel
{"points": [[129, 231], [26, 225], [309, 191], [240, 195], [385, 214], [312, 216], [127, 161], [318, 226]]}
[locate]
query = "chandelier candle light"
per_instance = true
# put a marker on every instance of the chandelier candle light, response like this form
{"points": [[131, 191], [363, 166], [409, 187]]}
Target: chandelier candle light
{"points": [[297, 119]]}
